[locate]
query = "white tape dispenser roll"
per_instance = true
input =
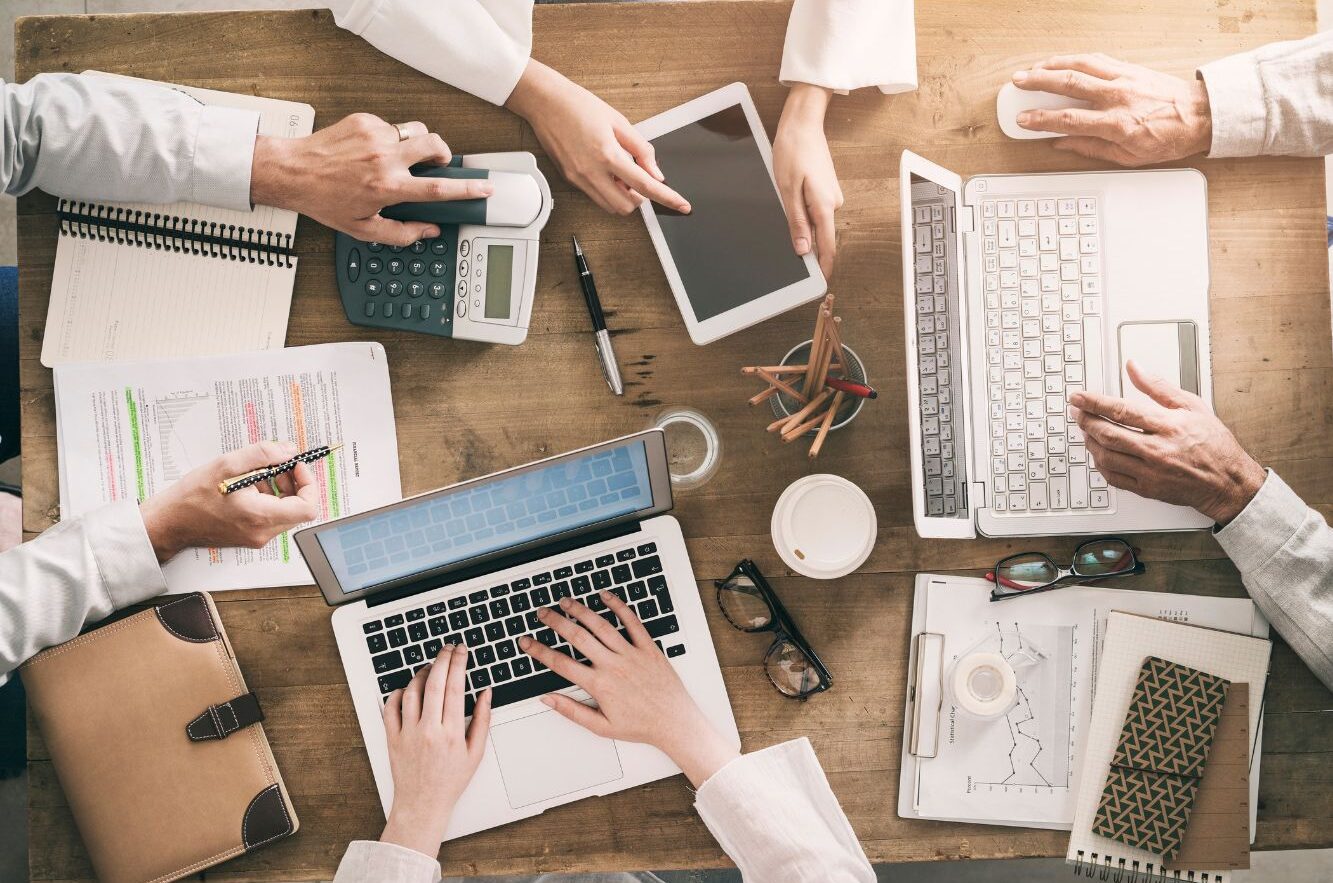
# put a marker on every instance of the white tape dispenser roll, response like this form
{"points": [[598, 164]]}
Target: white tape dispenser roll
{"points": [[983, 685]]}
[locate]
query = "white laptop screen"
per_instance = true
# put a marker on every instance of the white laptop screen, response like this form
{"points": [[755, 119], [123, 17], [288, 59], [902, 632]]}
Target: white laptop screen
{"points": [[483, 517]]}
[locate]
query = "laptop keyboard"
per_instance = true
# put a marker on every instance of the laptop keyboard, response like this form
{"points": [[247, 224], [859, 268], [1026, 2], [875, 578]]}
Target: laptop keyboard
{"points": [[491, 621], [1043, 292]]}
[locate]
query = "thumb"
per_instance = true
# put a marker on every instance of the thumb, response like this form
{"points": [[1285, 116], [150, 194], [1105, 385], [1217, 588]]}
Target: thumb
{"points": [[282, 513], [798, 221], [1166, 394], [378, 228], [588, 718], [479, 728]]}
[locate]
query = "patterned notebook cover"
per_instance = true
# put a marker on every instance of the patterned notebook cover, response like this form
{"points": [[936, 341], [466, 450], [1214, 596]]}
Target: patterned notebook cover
{"points": [[1160, 756]]}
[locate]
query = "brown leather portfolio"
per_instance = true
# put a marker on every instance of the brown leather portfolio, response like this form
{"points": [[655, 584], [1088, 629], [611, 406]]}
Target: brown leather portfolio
{"points": [[157, 744]]}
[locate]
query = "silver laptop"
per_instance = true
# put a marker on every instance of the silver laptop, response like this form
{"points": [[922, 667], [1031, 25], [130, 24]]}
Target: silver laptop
{"points": [[472, 563], [1018, 290]]}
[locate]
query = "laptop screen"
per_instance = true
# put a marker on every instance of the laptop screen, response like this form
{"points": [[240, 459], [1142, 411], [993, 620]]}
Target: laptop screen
{"points": [[486, 516]]}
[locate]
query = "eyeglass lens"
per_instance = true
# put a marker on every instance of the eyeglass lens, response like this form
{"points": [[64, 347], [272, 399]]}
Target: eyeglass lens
{"points": [[1027, 571], [1103, 558], [743, 603], [790, 670]]}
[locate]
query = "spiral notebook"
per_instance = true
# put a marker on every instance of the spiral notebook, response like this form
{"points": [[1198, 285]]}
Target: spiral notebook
{"points": [[1130, 639], [142, 281]]}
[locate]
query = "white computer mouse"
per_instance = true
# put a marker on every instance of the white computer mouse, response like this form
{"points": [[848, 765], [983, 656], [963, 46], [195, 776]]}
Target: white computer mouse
{"points": [[1012, 101]]}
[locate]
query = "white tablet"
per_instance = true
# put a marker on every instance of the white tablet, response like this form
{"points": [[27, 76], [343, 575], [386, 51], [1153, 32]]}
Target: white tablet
{"points": [[730, 262]]}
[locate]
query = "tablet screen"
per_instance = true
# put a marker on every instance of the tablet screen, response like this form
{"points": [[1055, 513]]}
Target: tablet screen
{"points": [[734, 246]]}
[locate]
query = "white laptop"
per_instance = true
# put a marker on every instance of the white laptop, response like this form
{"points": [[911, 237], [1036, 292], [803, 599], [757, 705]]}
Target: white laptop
{"points": [[1019, 289], [472, 563]]}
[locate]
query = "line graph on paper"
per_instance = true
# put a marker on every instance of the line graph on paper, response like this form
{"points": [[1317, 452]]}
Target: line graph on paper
{"points": [[1031, 748]]}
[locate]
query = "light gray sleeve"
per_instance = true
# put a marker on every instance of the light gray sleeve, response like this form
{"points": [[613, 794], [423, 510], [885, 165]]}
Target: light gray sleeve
{"points": [[76, 573], [369, 861], [1284, 552], [1277, 99], [105, 138]]}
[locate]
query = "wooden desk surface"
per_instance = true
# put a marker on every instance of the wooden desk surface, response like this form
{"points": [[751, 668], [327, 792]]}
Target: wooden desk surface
{"points": [[465, 409]]}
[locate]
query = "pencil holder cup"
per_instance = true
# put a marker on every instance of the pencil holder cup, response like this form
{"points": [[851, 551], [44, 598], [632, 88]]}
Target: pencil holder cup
{"points": [[784, 405]]}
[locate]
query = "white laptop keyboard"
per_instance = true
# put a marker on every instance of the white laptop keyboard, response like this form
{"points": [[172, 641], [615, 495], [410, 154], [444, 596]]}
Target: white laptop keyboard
{"points": [[1042, 261]]}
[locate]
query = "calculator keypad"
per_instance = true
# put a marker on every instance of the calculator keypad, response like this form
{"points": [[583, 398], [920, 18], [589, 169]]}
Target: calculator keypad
{"points": [[410, 287]]}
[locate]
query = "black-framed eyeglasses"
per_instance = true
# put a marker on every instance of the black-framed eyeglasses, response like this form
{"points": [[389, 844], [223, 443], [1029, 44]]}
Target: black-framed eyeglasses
{"points": [[750, 604], [1030, 572]]}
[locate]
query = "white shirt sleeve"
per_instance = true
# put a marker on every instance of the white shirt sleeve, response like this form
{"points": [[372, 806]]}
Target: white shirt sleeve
{"points": [[78, 572], [370, 861], [849, 44], [479, 46], [773, 813]]}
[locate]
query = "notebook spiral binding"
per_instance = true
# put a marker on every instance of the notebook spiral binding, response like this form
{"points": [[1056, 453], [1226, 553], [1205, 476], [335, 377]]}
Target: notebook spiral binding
{"points": [[109, 223], [1117, 870]]}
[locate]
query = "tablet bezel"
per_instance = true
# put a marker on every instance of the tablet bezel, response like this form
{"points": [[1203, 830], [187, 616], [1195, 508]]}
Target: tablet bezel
{"points": [[766, 306]]}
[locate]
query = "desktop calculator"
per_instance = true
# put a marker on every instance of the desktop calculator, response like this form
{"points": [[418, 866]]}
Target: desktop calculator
{"points": [[476, 280]]}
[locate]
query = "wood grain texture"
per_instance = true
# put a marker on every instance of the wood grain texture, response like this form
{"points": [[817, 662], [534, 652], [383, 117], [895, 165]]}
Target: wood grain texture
{"points": [[464, 409]]}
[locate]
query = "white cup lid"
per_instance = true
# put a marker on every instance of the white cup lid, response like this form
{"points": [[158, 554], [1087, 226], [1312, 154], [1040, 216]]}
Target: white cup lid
{"points": [[824, 526]]}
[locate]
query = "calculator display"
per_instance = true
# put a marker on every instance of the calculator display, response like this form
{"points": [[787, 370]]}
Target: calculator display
{"points": [[499, 280]]}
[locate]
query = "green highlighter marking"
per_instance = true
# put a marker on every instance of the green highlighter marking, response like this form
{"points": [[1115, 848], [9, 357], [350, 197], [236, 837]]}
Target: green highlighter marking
{"points": [[335, 506], [138, 443]]}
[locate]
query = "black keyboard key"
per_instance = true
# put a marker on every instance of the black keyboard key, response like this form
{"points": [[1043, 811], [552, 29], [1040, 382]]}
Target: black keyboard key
{"points": [[520, 585], [522, 665], [369, 627], [564, 572], [547, 637], [499, 608], [418, 668], [481, 678], [581, 585], [397, 638], [624, 554], [417, 631], [438, 626], [395, 681], [495, 631], [638, 591], [647, 567], [433, 648], [497, 591], [500, 673], [583, 567], [506, 650], [485, 655], [527, 688], [541, 597], [561, 590], [664, 603], [648, 548], [675, 650], [458, 620], [478, 615], [413, 656], [414, 615], [657, 584], [532, 622], [648, 609], [605, 560], [620, 573], [601, 580], [596, 603], [455, 603], [662, 626], [611, 618], [541, 579], [514, 626], [387, 662], [435, 609], [520, 603], [391, 621], [619, 592], [377, 644], [474, 637], [538, 666], [477, 597]]}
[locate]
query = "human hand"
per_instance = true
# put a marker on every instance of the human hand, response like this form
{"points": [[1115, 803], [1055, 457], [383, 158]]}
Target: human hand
{"points": [[595, 147], [1138, 116], [1183, 454], [193, 513], [431, 754], [806, 177], [343, 175], [639, 696]]}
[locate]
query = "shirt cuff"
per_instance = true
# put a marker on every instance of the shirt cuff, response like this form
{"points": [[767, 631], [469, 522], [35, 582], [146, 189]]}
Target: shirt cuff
{"points": [[125, 558], [370, 861], [733, 783], [1264, 526], [1236, 103], [224, 151]]}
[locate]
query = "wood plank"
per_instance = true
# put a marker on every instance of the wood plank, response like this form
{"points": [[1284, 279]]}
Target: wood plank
{"points": [[457, 403]]}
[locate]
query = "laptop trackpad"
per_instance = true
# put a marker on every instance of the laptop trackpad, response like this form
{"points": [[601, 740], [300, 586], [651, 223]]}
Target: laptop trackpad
{"points": [[1167, 349], [544, 756]]}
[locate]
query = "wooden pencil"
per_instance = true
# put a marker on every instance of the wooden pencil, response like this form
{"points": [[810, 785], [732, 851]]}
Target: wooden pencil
{"points": [[809, 409], [824, 427], [775, 369], [826, 353], [816, 344], [784, 386], [764, 396]]}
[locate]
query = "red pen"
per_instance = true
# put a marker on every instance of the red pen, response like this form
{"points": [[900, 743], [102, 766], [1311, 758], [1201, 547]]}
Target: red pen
{"points": [[851, 387]]}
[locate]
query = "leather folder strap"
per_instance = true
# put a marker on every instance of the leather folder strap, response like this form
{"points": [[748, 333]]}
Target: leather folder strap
{"points": [[220, 721]]}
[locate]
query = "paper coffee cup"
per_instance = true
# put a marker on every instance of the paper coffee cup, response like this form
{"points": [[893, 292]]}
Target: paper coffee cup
{"points": [[824, 526]]}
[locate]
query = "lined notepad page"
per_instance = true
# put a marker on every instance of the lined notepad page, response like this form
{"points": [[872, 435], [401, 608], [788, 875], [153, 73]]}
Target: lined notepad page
{"points": [[115, 301], [1131, 639]]}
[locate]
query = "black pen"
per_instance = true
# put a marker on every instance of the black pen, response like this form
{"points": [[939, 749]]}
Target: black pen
{"points": [[269, 473], [601, 337]]}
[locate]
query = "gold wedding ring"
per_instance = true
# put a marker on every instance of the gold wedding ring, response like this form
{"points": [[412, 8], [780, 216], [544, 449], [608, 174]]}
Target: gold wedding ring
{"points": [[402, 133]]}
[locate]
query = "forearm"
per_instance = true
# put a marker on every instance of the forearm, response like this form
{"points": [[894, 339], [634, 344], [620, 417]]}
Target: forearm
{"points": [[1277, 99], [105, 138], [1284, 551], [76, 573]]}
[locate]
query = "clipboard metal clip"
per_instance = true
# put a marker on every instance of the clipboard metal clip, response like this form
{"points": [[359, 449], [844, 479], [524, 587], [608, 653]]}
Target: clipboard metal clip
{"points": [[927, 693]]}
